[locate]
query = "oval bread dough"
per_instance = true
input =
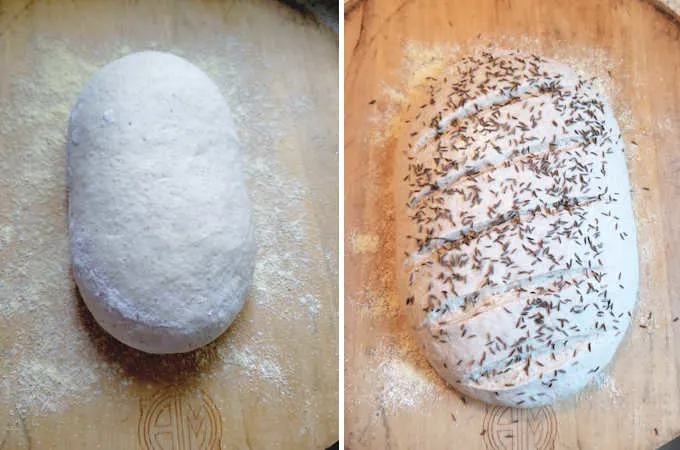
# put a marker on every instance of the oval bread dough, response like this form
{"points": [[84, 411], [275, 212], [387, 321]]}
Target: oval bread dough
{"points": [[160, 223], [521, 266]]}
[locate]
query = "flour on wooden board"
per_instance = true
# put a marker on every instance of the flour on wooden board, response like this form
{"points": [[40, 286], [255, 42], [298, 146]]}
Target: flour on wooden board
{"points": [[364, 243], [254, 365], [53, 355], [403, 386], [427, 60]]}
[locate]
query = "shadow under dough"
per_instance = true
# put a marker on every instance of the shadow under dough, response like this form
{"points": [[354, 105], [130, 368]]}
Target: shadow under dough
{"points": [[175, 369]]}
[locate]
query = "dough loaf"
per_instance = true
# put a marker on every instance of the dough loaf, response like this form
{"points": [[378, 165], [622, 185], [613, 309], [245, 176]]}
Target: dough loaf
{"points": [[159, 219], [519, 256]]}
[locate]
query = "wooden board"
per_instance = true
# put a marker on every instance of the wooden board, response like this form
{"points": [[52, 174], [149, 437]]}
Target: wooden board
{"points": [[272, 380], [392, 397]]}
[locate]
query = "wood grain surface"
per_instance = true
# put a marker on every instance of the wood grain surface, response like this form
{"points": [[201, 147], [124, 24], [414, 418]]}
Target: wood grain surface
{"points": [[392, 397], [272, 380]]}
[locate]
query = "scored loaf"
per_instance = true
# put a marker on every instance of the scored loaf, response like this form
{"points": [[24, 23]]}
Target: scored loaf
{"points": [[518, 260]]}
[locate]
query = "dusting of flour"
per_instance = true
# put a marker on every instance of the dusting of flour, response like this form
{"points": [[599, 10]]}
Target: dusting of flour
{"points": [[52, 354]]}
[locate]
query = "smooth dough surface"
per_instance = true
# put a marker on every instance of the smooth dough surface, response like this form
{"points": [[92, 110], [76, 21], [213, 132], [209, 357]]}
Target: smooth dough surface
{"points": [[160, 222], [518, 263]]}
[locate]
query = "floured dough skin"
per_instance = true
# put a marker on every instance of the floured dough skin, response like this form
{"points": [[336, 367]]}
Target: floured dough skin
{"points": [[518, 262], [160, 222]]}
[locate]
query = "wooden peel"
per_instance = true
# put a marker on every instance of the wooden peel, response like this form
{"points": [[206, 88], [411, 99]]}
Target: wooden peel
{"points": [[410, 406], [350, 5], [325, 11], [272, 378]]}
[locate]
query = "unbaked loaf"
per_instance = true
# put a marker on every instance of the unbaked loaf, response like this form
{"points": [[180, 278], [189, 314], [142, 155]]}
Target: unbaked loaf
{"points": [[518, 264], [160, 223]]}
